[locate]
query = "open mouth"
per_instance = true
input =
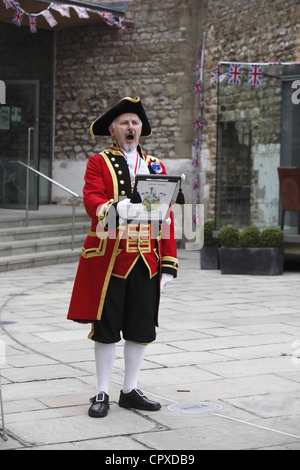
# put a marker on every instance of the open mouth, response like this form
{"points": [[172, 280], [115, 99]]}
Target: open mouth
{"points": [[130, 136]]}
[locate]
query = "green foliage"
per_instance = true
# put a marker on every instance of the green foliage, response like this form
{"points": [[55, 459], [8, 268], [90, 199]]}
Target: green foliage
{"points": [[249, 237], [271, 237], [209, 227], [229, 236]]}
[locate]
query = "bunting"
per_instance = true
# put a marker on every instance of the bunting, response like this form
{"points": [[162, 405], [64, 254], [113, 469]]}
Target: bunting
{"points": [[18, 16], [255, 73], [81, 12], [49, 17], [235, 74], [32, 23], [198, 126], [63, 9]]}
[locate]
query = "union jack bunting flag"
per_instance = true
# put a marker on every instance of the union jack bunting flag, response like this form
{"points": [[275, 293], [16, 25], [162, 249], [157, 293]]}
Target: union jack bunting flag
{"points": [[214, 75], [196, 142], [199, 51], [49, 17], [120, 24], [255, 75], [197, 88], [195, 161], [196, 182], [235, 74], [107, 17], [198, 123], [197, 69], [32, 23], [17, 19], [81, 12], [11, 4], [62, 9]]}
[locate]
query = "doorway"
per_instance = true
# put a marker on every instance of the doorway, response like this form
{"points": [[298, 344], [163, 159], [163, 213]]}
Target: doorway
{"points": [[17, 116]]}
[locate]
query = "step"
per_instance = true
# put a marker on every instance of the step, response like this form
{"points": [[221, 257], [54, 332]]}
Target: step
{"points": [[43, 231], [35, 260], [45, 240], [20, 247], [50, 215]]}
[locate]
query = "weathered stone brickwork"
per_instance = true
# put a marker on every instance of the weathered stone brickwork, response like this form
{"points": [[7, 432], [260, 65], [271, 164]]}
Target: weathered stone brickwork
{"points": [[98, 65]]}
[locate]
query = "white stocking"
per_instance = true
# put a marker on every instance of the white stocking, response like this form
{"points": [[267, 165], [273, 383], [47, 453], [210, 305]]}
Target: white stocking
{"points": [[133, 355], [104, 358]]}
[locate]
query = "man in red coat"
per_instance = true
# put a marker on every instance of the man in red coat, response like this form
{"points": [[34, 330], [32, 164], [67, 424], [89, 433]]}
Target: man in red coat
{"points": [[123, 266]]}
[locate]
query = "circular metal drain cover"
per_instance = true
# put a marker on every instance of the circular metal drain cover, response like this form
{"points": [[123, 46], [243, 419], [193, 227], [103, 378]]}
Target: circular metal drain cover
{"points": [[194, 407]]}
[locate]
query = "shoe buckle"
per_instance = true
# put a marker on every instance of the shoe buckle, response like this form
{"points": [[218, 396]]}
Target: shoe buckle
{"points": [[100, 397], [139, 392]]}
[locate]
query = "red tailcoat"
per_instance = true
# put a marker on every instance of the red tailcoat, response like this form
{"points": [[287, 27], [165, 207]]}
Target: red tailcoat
{"points": [[110, 248]]}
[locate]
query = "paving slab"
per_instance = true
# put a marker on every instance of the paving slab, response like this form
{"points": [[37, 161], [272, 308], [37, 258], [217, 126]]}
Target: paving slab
{"points": [[233, 341]]}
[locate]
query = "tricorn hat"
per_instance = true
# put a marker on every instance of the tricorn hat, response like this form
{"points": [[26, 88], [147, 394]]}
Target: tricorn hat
{"points": [[126, 105]]}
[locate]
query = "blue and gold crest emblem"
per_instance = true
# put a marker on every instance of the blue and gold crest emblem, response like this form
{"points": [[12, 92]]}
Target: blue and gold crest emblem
{"points": [[151, 199]]}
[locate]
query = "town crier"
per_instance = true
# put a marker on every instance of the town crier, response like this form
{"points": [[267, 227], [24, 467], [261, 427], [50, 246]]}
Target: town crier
{"points": [[123, 266]]}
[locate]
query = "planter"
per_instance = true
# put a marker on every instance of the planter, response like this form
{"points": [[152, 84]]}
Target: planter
{"points": [[209, 257], [256, 261]]}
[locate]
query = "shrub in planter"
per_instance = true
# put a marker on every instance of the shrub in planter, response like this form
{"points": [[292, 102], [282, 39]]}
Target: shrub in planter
{"points": [[249, 237], [209, 253], [271, 237], [264, 256], [209, 228], [229, 236]]}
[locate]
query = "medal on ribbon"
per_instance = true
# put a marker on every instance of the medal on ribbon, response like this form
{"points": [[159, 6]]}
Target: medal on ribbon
{"points": [[156, 167]]}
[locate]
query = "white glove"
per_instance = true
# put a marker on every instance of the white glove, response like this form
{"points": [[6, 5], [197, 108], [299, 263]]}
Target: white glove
{"points": [[127, 210], [165, 279]]}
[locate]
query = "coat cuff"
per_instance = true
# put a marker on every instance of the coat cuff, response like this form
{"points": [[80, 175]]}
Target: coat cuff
{"points": [[169, 265], [107, 214]]}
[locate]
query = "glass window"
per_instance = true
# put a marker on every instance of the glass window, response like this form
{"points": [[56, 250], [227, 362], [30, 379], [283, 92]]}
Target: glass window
{"points": [[257, 132]]}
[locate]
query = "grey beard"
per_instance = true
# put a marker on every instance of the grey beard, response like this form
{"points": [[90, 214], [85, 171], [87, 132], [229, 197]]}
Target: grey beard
{"points": [[129, 147]]}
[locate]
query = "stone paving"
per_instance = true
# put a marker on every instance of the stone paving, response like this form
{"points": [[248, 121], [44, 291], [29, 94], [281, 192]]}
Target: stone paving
{"points": [[230, 341]]}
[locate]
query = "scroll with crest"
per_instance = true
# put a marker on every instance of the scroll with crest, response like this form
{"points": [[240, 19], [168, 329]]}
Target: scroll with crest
{"points": [[155, 192]]}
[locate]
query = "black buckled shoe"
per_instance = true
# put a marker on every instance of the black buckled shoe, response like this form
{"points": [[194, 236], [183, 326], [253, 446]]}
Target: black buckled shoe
{"points": [[136, 399], [100, 405]]}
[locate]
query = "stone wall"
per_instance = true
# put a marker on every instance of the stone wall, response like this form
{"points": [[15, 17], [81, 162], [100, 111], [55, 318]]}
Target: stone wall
{"points": [[98, 65]]}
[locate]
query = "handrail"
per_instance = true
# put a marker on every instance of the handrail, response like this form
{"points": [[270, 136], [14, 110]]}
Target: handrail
{"points": [[74, 195], [47, 178]]}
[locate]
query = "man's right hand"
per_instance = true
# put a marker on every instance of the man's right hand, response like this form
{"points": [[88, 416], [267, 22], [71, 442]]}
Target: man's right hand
{"points": [[128, 211]]}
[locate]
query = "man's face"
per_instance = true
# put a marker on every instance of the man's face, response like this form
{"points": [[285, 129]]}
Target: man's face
{"points": [[127, 131]]}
